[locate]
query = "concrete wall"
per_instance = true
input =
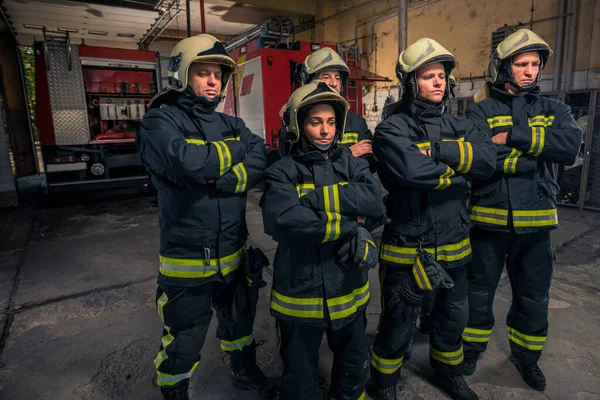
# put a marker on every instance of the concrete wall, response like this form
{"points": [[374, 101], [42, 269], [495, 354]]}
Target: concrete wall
{"points": [[464, 27]]}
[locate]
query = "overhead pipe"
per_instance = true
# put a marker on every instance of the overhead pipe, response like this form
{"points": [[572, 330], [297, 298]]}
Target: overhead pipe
{"points": [[558, 48], [402, 25], [347, 10], [188, 18], [570, 63], [202, 16]]}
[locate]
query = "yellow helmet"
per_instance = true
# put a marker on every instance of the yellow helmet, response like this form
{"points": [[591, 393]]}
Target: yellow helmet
{"points": [[522, 41], [201, 48], [323, 59], [312, 93], [423, 52]]}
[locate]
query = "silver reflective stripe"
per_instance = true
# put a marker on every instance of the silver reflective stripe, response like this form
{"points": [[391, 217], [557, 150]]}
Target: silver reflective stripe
{"points": [[229, 345], [535, 146], [453, 252], [297, 307], [166, 379], [500, 219], [349, 304], [408, 257], [532, 218], [477, 335], [189, 268]]}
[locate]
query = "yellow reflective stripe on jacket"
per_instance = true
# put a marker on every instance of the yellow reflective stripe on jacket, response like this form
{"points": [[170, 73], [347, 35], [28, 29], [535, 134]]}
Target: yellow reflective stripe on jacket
{"points": [[242, 176], [500, 120], [238, 344], [362, 396], [510, 162], [169, 380], [421, 276], [407, 255], [541, 120], [487, 215], [447, 357], [531, 218], [304, 188], [310, 307], [332, 210], [465, 150], [476, 335], [530, 342], [445, 179], [200, 267], [538, 139], [344, 306], [196, 141], [384, 365], [349, 138], [423, 145], [224, 156], [454, 251]]}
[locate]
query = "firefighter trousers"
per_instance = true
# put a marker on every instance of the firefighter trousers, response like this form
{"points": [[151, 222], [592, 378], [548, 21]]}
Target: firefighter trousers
{"points": [[448, 319], [186, 313], [299, 346], [529, 260]]}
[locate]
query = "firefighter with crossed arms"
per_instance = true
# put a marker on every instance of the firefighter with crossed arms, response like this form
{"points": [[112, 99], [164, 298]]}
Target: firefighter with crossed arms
{"points": [[202, 164], [319, 204], [514, 211], [424, 160]]}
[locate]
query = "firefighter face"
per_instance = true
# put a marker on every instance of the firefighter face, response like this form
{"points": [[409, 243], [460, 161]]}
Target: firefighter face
{"points": [[205, 80], [525, 68], [319, 124], [331, 77], [431, 79]]}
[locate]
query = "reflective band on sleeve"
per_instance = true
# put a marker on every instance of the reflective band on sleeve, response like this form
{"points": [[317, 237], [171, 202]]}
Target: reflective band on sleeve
{"points": [[534, 218], [386, 366], [510, 162], [445, 179], [490, 216], [349, 138], [332, 210], [366, 251], [500, 120], [535, 343], [238, 344], [196, 141], [477, 335], [344, 306], [224, 156], [242, 177], [541, 120], [465, 150], [447, 357], [197, 268], [420, 276], [170, 380], [304, 188], [538, 138], [297, 307]]}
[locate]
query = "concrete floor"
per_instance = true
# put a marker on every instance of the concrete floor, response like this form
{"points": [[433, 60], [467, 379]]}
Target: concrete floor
{"points": [[77, 291]]}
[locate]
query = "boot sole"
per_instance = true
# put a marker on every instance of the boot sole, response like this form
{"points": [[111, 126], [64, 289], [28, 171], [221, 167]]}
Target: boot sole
{"points": [[530, 384]]}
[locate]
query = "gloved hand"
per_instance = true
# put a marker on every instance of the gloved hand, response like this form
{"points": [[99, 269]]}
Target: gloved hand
{"points": [[359, 250], [405, 300], [428, 274]]}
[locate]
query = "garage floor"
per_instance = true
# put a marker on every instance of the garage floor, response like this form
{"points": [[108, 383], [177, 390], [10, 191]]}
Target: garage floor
{"points": [[77, 289]]}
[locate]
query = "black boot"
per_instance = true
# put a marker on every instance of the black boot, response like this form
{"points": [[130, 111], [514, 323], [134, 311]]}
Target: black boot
{"points": [[246, 375], [530, 372], [178, 391], [455, 386], [470, 363], [377, 393]]}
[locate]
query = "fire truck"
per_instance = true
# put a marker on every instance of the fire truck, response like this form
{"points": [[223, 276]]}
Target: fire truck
{"points": [[90, 101], [269, 61]]}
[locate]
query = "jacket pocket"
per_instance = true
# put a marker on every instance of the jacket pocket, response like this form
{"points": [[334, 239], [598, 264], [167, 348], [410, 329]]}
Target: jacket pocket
{"points": [[188, 235]]}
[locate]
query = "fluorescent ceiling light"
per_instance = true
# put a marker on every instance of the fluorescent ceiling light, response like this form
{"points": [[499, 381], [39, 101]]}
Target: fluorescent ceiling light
{"points": [[101, 33], [68, 30], [126, 34], [28, 26]]}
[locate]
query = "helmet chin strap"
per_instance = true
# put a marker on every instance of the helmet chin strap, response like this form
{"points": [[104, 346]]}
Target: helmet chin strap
{"points": [[203, 101], [321, 148]]}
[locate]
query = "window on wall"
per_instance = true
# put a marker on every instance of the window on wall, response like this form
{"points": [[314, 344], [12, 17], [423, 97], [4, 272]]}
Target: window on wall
{"points": [[499, 35]]}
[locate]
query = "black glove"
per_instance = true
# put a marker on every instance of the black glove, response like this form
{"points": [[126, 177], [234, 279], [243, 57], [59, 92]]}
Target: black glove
{"points": [[428, 274], [255, 262], [405, 300], [359, 251]]}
